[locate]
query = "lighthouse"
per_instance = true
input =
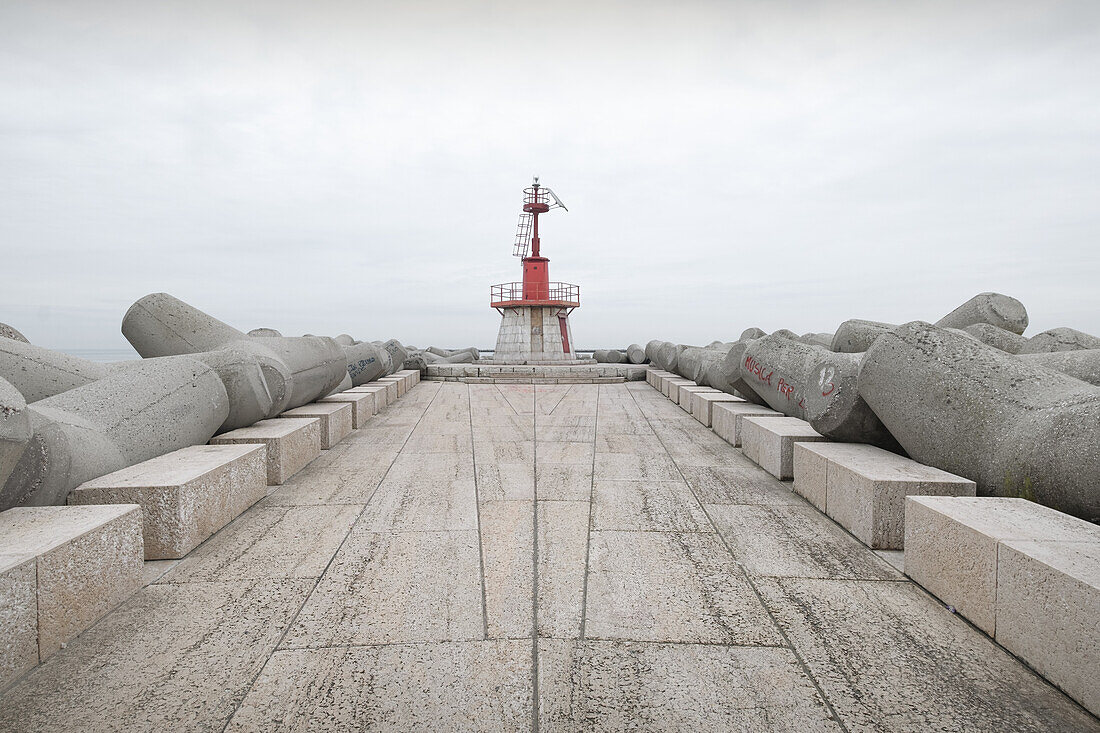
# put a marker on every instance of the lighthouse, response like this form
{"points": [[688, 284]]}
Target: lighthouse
{"points": [[534, 324]]}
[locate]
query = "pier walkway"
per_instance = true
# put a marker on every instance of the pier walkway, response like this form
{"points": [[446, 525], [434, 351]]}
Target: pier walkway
{"points": [[533, 557]]}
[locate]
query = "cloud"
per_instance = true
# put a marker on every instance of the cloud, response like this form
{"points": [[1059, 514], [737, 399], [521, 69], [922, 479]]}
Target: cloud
{"points": [[356, 167]]}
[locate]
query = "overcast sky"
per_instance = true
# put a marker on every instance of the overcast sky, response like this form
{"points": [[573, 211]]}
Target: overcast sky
{"points": [[331, 167]]}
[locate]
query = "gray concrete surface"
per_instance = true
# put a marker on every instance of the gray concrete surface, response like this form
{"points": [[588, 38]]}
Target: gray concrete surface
{"points": [[998, 310], [15, 428], [1015, 428], [38, 372], [534, 557], [1060, 339], [1083, 364], [834, 407], [135, 413], [10, 332]]}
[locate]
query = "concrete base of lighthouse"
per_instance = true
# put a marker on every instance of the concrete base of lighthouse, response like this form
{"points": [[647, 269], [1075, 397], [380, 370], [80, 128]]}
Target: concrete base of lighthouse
{"points": [[534, 334]]}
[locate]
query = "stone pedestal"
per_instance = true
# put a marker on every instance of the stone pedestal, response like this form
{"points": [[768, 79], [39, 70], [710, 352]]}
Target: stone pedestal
{"points": [[726, 419], [534, 333], [88, 559], [336, 420], [769, 442], [363, 404], [186, 495], [292, 442]]}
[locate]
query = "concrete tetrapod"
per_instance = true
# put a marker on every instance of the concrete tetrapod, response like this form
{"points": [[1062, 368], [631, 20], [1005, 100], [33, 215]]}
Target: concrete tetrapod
{"points": [[710, 361], [366, 362], [344, 340], [669, 354], [38, 372], [824, 340], [687, 364], [135, 413], [15, 428], [600, 355], [752, 333], [9, 332], [855, 336], [1015, 428], [1060, 339], [264, 332], [778, 369], [311, 366], [727, 376], [996, 337], [1083, 364], [614, 356], [635, 354], [993, 308], [651, 350], [397, 353], [834, 407]]}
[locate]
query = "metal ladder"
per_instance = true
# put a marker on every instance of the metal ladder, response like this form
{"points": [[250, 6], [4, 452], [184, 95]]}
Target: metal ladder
{"points": [[523, 235]]}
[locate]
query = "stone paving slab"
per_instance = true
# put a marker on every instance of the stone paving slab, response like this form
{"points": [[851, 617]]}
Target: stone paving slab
{"points": [[457, 601], [650, 506], [395, 587], [603, 685], [888, 656], [671, 587], [173, 657], [562, 555], [270, 542], [795, 541], [468, 686]]}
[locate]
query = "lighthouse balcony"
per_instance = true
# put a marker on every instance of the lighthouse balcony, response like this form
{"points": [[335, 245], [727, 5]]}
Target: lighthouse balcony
{"points": [[549, 294]]}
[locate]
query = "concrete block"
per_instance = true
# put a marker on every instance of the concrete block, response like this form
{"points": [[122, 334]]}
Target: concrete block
{"points": [[363, 404], [185, 496], [291, 444], [865, 488], [725, 418], [674, 388], [769, 442], [951, 545], [88, 559], [337, 420], [381, 393], [402, 386], [702, 404], [18, 616], [683, 397], [811, 472], [412, 374], [1048, 608]]}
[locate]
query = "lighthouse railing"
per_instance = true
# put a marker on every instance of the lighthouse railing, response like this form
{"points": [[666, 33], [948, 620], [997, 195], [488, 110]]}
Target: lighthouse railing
{"points": [[556, 292]]}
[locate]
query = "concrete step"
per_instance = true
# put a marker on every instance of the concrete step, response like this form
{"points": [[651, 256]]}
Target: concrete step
{"points": [[363, 404], [702, 405], [186, 495], [769, 442], [863, 487], [401, 382], [291, 442], [671, 387], [1025, 574], [381, 394], [727, 419], [686, 394], [337, 420], [62, 568], [653, 375]]}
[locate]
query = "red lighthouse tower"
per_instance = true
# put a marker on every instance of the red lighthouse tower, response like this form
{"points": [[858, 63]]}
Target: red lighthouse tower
{"points": [[535, 313]]}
